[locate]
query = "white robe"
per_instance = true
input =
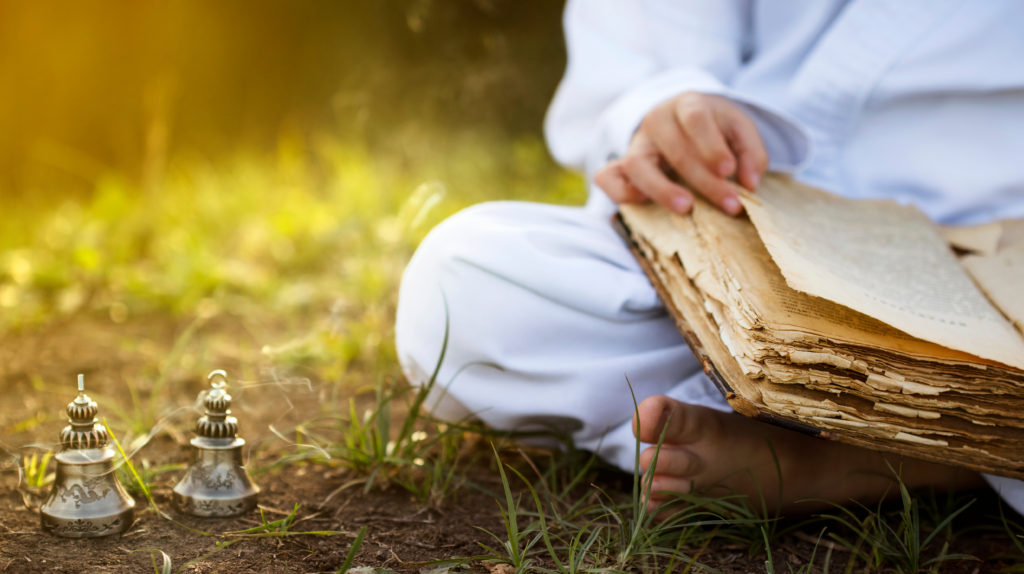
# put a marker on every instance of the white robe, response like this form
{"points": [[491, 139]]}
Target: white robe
{"points": [[917, 100]]}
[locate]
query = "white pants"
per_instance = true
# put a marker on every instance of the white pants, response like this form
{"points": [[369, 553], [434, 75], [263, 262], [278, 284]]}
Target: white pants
{"points": [[548, 317]]}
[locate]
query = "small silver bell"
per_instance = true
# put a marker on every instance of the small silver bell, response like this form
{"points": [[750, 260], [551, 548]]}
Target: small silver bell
{"points": [[87, 500], [216, 483]]}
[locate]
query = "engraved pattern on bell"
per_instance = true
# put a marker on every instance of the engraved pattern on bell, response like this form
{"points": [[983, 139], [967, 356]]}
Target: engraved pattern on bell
{"points": [[216, 483], [82, 528], [86, 500], [89, 490], [213, 477]]}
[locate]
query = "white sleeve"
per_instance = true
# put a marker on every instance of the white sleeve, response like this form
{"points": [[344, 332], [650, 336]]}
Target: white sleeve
{"points": [[626, 57]]}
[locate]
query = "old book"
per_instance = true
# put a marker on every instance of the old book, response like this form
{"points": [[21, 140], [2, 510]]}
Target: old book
{"points": [[851, 320]]}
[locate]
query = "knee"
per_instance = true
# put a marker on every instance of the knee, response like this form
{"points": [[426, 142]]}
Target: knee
{"points": [[436, 270], [446, 246], [434, 280]]}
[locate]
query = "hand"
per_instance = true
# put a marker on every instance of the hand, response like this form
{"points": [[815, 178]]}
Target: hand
{"points": [[704, 140]]}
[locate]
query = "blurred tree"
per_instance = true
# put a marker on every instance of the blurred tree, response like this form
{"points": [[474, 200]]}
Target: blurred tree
{"points": [[89, 87]]}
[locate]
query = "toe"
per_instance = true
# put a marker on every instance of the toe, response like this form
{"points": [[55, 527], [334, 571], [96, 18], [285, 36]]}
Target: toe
{"points": [[678, 461], [663, 487], [682, 423], [650, 417]]}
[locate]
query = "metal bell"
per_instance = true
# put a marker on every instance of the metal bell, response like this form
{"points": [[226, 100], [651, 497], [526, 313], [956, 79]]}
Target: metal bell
{"points": [[87, 500], [216, 483]]}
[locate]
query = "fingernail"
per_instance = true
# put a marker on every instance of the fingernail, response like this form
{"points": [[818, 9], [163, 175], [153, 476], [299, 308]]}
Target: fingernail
{"points": [[731, 205], [680, 204], [755, 178]]}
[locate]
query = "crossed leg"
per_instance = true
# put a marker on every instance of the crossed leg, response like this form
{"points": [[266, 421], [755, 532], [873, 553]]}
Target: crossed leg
{"points": [[551, 297], [705, 449]]}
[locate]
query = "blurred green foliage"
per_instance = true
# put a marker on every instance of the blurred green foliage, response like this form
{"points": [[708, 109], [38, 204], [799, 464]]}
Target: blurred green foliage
{"points": [[269, 159], [321, 226]]}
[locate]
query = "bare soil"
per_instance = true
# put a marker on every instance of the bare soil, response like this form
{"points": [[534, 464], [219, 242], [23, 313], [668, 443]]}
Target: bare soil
{"points": [[37, 369]]}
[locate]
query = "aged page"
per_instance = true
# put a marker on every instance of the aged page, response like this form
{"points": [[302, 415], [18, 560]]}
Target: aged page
{"points": [[664, 237], [884, 260], [749, 265], [1001, 274], [756, 338], [782, 308], [983, 239], [1012, 234]]}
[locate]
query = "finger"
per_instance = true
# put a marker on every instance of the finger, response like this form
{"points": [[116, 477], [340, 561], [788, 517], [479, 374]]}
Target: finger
{"points": [[634, 195], [696, 119], [675, 145], [663, 137], [613, 181], [679, 151], [714, 188], [644, 173], [744, 139]]}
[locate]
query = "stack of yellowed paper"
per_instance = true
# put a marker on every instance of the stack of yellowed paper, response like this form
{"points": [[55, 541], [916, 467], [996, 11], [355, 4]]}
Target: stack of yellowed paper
{"points": [[861, 321]]}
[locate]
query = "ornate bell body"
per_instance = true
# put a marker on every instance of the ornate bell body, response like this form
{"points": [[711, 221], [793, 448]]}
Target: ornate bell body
{"points": [[87, 500], [216, 483]]}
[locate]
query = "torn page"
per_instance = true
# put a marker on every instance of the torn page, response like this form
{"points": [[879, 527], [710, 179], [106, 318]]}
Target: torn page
{"points": [[1001, 277], [982, 239], [882, 259]]}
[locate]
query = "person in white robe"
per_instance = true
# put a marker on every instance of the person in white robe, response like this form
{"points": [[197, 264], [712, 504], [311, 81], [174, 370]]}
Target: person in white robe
{"points": [[549, 314]]}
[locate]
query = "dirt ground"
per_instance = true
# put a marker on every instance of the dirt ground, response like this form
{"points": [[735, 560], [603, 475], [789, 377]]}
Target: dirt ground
{"points": [[399, 534], [36, 378]]}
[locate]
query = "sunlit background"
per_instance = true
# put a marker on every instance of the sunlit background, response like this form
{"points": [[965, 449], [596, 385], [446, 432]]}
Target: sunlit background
{"points": [[114, 86], [192, 156], [192, 184]]}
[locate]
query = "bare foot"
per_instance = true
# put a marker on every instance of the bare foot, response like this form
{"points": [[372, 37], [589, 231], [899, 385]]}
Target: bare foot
{"points": [[706, 450]]}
